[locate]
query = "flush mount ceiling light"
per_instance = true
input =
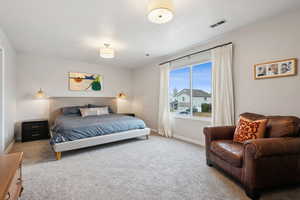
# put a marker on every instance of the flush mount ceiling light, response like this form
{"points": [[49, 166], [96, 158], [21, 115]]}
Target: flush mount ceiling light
{"points": [[107, 51], [160, 11]]}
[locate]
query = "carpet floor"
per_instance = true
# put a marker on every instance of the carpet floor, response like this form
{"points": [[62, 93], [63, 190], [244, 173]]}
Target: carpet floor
{"points": [[138, 169]]}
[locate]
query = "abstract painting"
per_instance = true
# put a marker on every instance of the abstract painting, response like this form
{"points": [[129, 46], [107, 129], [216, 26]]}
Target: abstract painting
{"points": [[85, 82]]}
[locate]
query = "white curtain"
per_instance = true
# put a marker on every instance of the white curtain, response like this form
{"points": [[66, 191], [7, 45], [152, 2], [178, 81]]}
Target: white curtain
{"points": [[164, 118], [222, 87]]}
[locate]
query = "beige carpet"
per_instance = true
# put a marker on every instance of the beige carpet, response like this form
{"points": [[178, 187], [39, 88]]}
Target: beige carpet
{"points": [[154, 169]]}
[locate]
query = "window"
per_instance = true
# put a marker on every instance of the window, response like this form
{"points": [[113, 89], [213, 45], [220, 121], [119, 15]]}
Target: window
{"points": [[179, 90], [195, 81]]}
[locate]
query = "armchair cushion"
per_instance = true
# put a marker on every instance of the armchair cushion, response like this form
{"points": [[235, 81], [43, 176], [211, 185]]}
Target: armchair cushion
{"points": [[228, 151], [278, 126], [252, 116], [282, 126], [267, 147]]}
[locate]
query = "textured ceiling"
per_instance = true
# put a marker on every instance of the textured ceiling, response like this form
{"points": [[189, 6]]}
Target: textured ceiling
{"points": [[76, 29]]}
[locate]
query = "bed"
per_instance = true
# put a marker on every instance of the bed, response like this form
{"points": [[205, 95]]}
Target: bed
{"points": [[72, 131]]}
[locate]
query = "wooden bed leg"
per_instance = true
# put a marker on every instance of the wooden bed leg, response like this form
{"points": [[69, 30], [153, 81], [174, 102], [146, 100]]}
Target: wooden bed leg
{"points": [[58, 155], [147, 137]]}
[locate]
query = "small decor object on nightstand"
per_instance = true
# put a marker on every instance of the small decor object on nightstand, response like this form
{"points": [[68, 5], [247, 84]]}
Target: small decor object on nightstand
{"points": [[35, 130], [275, 69]]}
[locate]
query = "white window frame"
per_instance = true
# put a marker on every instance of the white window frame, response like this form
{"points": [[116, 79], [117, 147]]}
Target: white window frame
{"points": [[190, 66]]}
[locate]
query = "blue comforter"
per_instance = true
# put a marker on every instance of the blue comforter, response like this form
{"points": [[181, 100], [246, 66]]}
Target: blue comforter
{"points": [[74, 127]]}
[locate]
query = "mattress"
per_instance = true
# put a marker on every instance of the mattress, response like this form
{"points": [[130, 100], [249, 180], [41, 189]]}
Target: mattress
{"points": [[74, 127]]}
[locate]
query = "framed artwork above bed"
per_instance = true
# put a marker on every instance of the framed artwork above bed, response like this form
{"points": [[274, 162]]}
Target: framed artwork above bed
{"points": [[85, 82]]}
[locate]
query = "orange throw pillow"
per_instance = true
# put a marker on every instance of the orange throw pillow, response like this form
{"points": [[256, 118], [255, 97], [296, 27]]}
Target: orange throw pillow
{"points": [[248, 129]]}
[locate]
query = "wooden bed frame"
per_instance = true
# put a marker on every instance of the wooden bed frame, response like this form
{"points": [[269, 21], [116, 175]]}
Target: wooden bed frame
{"points": [[56, 103]]}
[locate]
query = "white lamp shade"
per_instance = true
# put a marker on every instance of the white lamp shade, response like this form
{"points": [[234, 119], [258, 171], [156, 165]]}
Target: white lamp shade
{"points": [[107, 52], [160, 11]]}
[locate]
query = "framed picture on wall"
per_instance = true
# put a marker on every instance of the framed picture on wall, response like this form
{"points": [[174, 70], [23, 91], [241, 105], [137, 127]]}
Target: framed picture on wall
{"points": [[85, 82], [275, 69]]}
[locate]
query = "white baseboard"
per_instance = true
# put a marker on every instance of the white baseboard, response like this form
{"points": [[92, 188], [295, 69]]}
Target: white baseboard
{"points": [[179, 137], [10, 146]]}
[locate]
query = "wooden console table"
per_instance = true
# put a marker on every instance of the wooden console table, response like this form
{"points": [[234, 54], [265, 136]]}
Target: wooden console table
{"points": [[11, 176]]}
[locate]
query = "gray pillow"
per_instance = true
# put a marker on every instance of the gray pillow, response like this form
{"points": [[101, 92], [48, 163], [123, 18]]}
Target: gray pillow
{"points": [[72, 110]]}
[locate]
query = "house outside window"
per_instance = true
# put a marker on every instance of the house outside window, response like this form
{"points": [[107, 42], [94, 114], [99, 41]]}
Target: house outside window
{"points": [[195, 81]]}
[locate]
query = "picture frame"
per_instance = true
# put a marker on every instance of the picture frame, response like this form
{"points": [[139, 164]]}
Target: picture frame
{"points": [[80, 81], [274, 69]]}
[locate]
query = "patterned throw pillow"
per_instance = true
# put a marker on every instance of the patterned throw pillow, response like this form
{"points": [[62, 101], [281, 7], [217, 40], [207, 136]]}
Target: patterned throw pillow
{"points": [[248, 129], [85, 112]]}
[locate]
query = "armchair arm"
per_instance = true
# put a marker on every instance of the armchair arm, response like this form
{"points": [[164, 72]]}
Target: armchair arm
{"points": [[219, 133], [216, 133], [266, 147]]}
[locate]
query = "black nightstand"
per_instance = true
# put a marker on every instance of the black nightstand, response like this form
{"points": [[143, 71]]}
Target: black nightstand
{"points": [[35, 130], [129, 114]]}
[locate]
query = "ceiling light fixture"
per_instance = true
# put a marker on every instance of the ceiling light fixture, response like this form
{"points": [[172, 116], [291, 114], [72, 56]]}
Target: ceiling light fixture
{"points": [[160, 11], [107, 51]]}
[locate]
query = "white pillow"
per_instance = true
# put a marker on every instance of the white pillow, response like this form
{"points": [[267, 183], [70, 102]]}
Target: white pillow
{"points": [[85, 112], [102, 110]]}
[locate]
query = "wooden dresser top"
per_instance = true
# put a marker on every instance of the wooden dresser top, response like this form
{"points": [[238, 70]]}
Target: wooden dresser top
{"points": [[9, 164]]}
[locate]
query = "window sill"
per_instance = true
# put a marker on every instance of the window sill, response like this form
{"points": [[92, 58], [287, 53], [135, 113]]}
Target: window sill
{"points": [[203, 119]]}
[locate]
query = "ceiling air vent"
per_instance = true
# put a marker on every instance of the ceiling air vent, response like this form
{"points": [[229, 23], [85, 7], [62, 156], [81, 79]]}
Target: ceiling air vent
{"points": [[218, 24]]}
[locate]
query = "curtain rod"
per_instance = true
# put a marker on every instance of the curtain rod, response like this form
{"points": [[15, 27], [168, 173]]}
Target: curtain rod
{"points": [[202, 51]]}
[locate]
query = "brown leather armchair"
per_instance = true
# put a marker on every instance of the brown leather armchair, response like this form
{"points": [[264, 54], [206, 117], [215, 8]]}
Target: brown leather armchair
{"points": [[262, 163]]}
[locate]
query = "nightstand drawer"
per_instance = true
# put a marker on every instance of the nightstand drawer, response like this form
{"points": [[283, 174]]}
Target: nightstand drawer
{"points": [[29, 129], [33, 137], [38, 126], [34, 134]]}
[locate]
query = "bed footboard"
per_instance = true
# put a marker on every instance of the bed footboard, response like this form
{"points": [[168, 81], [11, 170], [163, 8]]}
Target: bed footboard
{"points": [[93, 141]]}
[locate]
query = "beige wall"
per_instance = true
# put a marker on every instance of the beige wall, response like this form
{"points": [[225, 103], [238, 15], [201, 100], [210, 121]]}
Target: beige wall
{"points": [[51, 74], [271, 39], [277, 38], [146, 94]]}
